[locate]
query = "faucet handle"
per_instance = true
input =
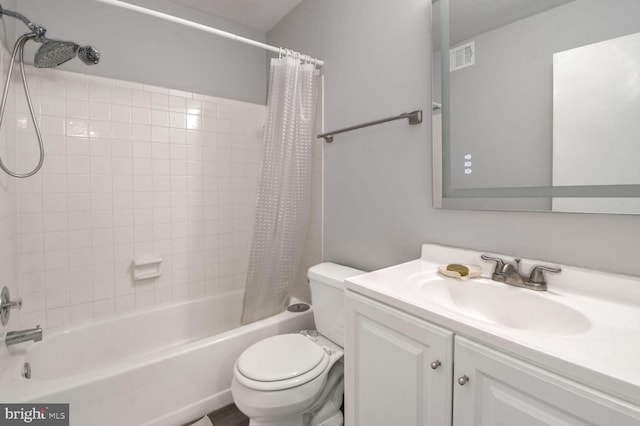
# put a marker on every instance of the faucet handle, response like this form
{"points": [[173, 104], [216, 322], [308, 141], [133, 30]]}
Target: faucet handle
{"points": [[537, 276], [6, 304], [499, 262]]}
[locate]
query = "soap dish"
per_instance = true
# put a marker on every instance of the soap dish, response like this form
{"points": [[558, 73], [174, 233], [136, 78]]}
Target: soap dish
{"points": [[474, 272]]}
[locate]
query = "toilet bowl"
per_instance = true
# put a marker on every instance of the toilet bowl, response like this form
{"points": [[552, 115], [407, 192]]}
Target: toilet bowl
{"points": [[286, 379], [298, 379]]}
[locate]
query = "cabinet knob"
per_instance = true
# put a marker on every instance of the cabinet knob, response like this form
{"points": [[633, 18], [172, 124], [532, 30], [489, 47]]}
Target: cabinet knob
{"points": [[463, 380], [435, 364]]}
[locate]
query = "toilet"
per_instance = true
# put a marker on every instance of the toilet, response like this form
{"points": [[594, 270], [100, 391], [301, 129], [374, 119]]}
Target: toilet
{"points": [[297, 379]]}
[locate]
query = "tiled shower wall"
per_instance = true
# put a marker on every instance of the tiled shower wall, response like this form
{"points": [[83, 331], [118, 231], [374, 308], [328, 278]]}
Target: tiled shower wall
{"points": [[132, 172]]}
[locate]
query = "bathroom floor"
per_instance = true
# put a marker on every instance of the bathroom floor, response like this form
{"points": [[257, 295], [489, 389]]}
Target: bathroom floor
{"points": [[228, 416]]}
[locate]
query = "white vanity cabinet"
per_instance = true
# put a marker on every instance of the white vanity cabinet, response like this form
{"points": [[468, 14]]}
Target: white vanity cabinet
{"points": [[492, 388], [398, 367], [402, 370]]}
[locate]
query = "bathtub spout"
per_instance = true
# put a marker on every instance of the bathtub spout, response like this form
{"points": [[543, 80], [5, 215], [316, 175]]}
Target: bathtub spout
{"points": [[20, 336]]}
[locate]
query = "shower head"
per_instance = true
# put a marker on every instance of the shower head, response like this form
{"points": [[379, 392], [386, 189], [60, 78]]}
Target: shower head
{"points": [[55, 52]]}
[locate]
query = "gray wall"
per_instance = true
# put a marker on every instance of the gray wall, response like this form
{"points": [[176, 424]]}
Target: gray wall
{"points": [[502, 107], [149, 50], [378, 181], [8, 28]]}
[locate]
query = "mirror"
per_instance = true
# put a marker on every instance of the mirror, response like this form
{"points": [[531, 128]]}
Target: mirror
{"points": [[536, 105]]}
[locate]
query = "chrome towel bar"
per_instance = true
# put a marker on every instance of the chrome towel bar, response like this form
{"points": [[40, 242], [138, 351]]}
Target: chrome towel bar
{"points": [[415, 117]]}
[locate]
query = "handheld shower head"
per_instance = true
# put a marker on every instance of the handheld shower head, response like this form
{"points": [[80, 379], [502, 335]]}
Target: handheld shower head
{"points": [[89, 55]]}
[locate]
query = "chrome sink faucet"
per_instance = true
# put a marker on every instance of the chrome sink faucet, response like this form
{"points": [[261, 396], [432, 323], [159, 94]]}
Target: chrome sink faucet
{"points": [[509, 273]]}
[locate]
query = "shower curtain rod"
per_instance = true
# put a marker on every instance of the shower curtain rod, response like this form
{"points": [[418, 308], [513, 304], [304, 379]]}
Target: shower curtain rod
{"points": [[211, 30]]}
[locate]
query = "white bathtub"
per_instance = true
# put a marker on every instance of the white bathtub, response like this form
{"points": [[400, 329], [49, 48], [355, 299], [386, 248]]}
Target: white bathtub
{"points": [[164, 366]]}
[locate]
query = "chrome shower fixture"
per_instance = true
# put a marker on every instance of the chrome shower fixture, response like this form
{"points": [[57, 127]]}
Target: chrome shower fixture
{"points": [[51, 54], [35, 29], [54, 52], [89, 55]]}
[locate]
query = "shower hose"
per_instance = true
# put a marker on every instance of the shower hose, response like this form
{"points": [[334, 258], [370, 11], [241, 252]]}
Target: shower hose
{"points": [[18, 51]]}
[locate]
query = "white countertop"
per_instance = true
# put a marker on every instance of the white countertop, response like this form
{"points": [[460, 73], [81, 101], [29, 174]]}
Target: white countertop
{"points": [[605, 355]]}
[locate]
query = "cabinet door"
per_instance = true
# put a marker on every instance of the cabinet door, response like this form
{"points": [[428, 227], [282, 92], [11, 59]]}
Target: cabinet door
{"points": [[502, 390], [389, 376]]}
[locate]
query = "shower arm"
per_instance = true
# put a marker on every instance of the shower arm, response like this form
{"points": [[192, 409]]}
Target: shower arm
{"points": [[38, 30]]}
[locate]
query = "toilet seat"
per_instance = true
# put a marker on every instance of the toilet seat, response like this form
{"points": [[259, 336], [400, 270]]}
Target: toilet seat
{"points": [[281, 362]]}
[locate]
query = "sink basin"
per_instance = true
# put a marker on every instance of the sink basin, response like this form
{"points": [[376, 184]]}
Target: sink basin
{"points": [[502, 304]]}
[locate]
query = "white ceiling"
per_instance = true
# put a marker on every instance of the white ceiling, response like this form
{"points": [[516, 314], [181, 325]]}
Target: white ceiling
{"points": [[258, 14]]}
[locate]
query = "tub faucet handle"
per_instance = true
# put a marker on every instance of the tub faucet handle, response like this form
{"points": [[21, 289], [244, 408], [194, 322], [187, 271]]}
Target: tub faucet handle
{"points": [[6, 304]]}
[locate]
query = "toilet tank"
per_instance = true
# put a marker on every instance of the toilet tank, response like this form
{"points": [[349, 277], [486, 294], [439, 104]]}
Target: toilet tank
{"points": [[327, 297]]}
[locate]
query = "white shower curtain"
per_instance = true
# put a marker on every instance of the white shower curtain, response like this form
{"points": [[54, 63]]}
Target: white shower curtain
{"points": [[283, 208]]}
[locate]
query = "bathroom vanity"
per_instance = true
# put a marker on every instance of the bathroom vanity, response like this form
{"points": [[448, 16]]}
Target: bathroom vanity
{"points": [[423, 349]]}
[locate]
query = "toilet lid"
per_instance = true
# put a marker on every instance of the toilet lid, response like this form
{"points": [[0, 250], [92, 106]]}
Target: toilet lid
{"points": [[279, 358]]}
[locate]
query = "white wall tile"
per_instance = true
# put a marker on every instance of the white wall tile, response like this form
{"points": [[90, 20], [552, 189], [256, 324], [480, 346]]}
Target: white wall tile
{"points": [[52, 105], [58, 316], [79, 182], [120, 131], [98, 91], [100, 129], [77, 88], [160, 117], [81, 294], [31, 243], [132, 170], [140, 99], [100, 147], [120, 96], [56, 260], [78, 146], [121, 113], [75, 108], [76, 127], [81, 312], [103, 308], [56, 183], [78, 220], [160, 101], [124, 304]]}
